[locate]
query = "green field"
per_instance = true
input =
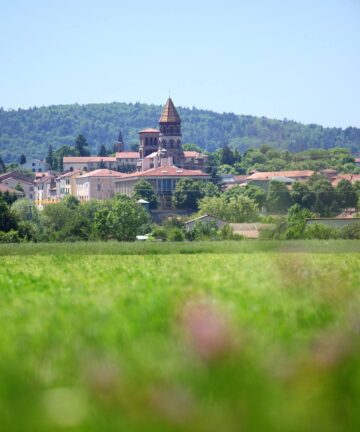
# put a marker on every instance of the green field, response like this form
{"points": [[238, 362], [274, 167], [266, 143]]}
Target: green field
{"points": [[254, 336]]}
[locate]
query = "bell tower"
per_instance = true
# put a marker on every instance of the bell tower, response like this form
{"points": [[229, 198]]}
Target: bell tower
{"points": [[170, 133]]}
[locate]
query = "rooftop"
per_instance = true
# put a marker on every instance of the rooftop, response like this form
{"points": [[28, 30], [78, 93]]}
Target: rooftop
{"points": [[85, 159], [149, 130], [271, 174], [103, 173], [17, 176], [169, 114], [127, 155], [170, 171]]}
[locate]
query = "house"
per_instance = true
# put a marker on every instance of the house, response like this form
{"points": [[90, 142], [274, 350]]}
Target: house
{"points": [[65, 184], [8, 190], [45, 191], [337, 222], [163, 179], [262, 179], [88, 163], [127, 161], [35, 165], [98, 184], [249, 230], [357, 162], [189, 225], [14, 179], [352, 178], [195, 160]]}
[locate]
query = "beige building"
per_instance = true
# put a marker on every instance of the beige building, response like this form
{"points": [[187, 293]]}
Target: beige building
{"points": [[98, 184], [14, 179], [65, 184], [122, 161], [45, 191]]}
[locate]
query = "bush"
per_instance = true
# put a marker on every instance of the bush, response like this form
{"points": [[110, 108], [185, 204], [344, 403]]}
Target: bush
{"points": [[159, 233], [351, 232], [321, 232], [175, 234], [9, 237]]}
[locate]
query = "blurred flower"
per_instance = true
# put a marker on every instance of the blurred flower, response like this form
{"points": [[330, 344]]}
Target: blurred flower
{"points": [[208, 330], [175, 404]]}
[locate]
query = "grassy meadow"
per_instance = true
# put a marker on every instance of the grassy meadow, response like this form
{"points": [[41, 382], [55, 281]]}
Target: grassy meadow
{"points": [[221, 336]]}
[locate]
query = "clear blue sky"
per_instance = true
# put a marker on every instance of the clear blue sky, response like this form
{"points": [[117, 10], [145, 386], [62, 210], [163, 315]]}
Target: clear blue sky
{"points": [[278, 58]]}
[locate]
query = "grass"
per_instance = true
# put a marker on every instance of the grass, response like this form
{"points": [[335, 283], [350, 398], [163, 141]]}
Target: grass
{"points": [[180, 337]]}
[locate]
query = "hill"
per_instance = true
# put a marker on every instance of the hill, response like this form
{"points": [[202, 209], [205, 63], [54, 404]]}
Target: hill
{"points": [[31, 131]]}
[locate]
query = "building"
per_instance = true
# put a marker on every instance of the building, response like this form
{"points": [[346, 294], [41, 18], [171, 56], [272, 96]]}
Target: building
{"points": [[88, 163], [262, 179], [163, 179], [66, 185], [333, 222], [357, 162], [17, 180], [127, 161], [4, 189], [189, 225], [35, 165], [98, 184], [352, 178], [249, 230], [45, 191]]}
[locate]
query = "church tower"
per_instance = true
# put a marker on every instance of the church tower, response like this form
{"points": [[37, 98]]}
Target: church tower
{"points": [[170, 134], [119, 145]]}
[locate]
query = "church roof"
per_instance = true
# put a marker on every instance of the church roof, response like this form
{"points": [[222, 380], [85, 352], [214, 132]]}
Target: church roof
{"points": [[169, 114]]}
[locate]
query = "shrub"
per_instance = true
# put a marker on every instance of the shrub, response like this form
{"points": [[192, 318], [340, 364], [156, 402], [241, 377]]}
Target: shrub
{"points": [[9, 237], [321, 232], [175, 234], [351, 232]]}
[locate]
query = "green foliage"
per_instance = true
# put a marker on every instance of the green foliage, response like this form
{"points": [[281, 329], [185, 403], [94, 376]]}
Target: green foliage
{"points": [[175, 234], [143, 189], [25, 210], [321, 232], [81, 146], [7, 219], [296, 222], [303, 195], [32, 130], [251, 191], [346, 195], [123, 221], [234, 209], [187, 194], [22, 159], [11, 236], [279, 198]]}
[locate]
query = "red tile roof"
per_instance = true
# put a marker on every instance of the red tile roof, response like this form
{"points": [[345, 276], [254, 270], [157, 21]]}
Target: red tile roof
{"points": [[6, 188], [269, 175], [17, 176], [70, 173], [103, 173], [86, 159], [172, 171], [193, 154], [128, 155], [352, 178]]}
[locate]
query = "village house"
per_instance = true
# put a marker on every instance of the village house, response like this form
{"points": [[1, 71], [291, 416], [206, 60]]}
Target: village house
{"points": [[98, 184], [262, 179], [352, 178], [45, 191], [66, 185], [4, 189], [189, 225], [335, 222], [35, 165], [15, 180]]}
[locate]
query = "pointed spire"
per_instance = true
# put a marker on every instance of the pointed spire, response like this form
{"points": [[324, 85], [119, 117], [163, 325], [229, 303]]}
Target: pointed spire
{"points": [[120, 139], [169, 114]]}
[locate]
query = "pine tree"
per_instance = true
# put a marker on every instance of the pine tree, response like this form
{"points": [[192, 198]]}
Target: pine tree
{"points": [[50, 157], [102, 151], [82, 146], [22, 159], [2, 166]]}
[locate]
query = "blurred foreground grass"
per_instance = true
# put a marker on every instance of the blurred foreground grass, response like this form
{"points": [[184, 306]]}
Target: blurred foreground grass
{"points": [[168, 341]]}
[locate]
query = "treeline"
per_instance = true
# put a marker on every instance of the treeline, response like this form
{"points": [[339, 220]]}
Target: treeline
{"points": [[32, 131]]}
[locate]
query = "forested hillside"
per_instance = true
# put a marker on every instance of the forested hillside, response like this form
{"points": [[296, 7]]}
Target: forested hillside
{"points": [[31, 131]]}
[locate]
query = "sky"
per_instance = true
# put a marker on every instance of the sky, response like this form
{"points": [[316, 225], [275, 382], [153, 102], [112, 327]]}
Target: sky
{"points": [[294, 59]]}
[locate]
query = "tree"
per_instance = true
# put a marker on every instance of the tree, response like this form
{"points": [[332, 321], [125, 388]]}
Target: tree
{"points": [[303, 195], [346, 194], [7, 219], [227, 156], [253, 192], [102, 151], [2, 166], [325, 197], [22, 159], [236, 209], [187, 194], [50, 157], [125, 219], [296, 222], [82, 146], [25, 210], [144, 190], [279, 198]]}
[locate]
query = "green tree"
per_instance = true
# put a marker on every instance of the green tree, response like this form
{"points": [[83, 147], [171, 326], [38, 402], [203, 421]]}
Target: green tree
{"points": [[235, 209], [346, 194], [143, 189], [2, 166], [187, 194], [102, 151], [25, 210], [123, 221], [303, 195], [82, 146], [325, 197], [296, 222], [227, 156], [279, 198], [253, 192], [7, 219], [50, 157], [22, 159]]}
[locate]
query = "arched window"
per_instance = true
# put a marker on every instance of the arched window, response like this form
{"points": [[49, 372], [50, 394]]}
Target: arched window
{"points": [[163, 143], [171, 143], [178, 143]]}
